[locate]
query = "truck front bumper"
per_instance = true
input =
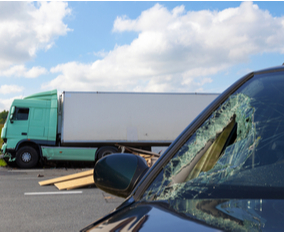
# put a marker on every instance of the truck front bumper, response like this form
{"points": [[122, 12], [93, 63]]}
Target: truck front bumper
{"points": [[6, 154], [3, 148], [8, 157]]}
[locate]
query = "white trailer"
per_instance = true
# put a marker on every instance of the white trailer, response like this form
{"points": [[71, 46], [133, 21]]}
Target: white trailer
{"points": [[134, 119]]}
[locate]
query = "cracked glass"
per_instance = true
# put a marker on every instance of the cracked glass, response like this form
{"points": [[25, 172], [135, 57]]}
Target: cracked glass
{"points": [[239, 149], [232, 163]]}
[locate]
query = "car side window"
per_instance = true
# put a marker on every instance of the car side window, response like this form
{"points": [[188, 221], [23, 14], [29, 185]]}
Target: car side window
{"points": [[240, 144]]}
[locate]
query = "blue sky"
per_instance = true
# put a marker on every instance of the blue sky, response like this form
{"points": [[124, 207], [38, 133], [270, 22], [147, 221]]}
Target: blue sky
{"points": [[135, 46]]}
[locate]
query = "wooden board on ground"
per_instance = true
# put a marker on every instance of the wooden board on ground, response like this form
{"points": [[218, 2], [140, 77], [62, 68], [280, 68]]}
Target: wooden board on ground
{"points": [[75, 183], [67, 178]]}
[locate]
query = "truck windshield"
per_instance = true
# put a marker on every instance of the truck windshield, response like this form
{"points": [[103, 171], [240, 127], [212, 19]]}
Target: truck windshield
{"points": [[238, 152]]}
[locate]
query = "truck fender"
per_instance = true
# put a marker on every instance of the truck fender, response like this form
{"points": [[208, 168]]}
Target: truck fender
{"points": [[30, 143]]}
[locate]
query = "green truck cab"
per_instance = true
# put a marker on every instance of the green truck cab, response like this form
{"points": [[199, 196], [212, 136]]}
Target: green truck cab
{"points": [[31, 123]]}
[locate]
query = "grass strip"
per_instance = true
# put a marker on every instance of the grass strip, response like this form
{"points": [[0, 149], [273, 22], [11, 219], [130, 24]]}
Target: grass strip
{"points": [[2, 163]]}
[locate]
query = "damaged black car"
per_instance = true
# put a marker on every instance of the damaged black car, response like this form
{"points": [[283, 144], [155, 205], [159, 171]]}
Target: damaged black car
{"points": [[225, 171]]}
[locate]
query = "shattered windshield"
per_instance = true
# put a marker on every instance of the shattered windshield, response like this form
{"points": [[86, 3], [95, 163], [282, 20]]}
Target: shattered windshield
{"points": [[238, 150]]}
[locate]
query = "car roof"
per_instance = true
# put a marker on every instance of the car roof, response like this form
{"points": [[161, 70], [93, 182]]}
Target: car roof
{"points": [[271, 69]]}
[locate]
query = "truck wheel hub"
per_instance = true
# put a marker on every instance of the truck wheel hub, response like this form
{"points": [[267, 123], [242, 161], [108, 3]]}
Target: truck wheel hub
{"points": [[26, 157]]}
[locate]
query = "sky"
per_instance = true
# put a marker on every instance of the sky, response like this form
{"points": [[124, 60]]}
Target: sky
{"points": [[135, 46]]}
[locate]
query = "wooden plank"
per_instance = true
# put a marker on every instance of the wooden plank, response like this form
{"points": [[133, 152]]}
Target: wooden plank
{"points": [[75, 183], [65, 178]]}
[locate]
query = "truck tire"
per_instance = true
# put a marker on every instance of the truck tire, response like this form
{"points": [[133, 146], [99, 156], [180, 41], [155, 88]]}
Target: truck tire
{"points": [[26, 157], [104, 151]]}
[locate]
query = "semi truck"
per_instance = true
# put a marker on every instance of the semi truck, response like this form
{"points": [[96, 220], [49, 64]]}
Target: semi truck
{"points": [[85, 126]]}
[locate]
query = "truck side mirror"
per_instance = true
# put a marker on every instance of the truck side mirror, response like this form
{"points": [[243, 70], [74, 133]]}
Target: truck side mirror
{"points": [[12, 114], [118, 173]]}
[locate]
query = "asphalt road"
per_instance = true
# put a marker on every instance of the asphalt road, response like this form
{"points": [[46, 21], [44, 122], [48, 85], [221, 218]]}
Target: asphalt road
{"points": [[24, 208]]}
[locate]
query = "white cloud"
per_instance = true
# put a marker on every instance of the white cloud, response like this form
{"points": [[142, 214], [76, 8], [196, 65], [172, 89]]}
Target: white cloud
{"points": [[21, 71], [5, 104], [25, 28], [7, 89], [35, 72], [176, 50], [101, 53]]}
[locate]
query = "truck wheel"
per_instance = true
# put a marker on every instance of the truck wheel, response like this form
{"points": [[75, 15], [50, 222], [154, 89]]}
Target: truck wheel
{"points": [[26, 157], [104, 151]]}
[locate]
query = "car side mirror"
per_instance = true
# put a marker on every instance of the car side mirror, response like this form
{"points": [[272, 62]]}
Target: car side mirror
{"points": [[118, 173]]}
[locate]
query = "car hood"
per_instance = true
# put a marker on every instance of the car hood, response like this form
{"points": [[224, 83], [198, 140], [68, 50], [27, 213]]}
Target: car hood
{"points": [[203, 215]]}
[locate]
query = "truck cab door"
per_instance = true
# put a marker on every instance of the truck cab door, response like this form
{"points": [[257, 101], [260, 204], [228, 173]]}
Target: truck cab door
{"points": [[18, 125]]}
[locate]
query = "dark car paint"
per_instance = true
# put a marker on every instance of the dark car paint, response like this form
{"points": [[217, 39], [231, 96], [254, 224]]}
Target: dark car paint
{"points": [[142, 217], [210, 215], [270, 215]]}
